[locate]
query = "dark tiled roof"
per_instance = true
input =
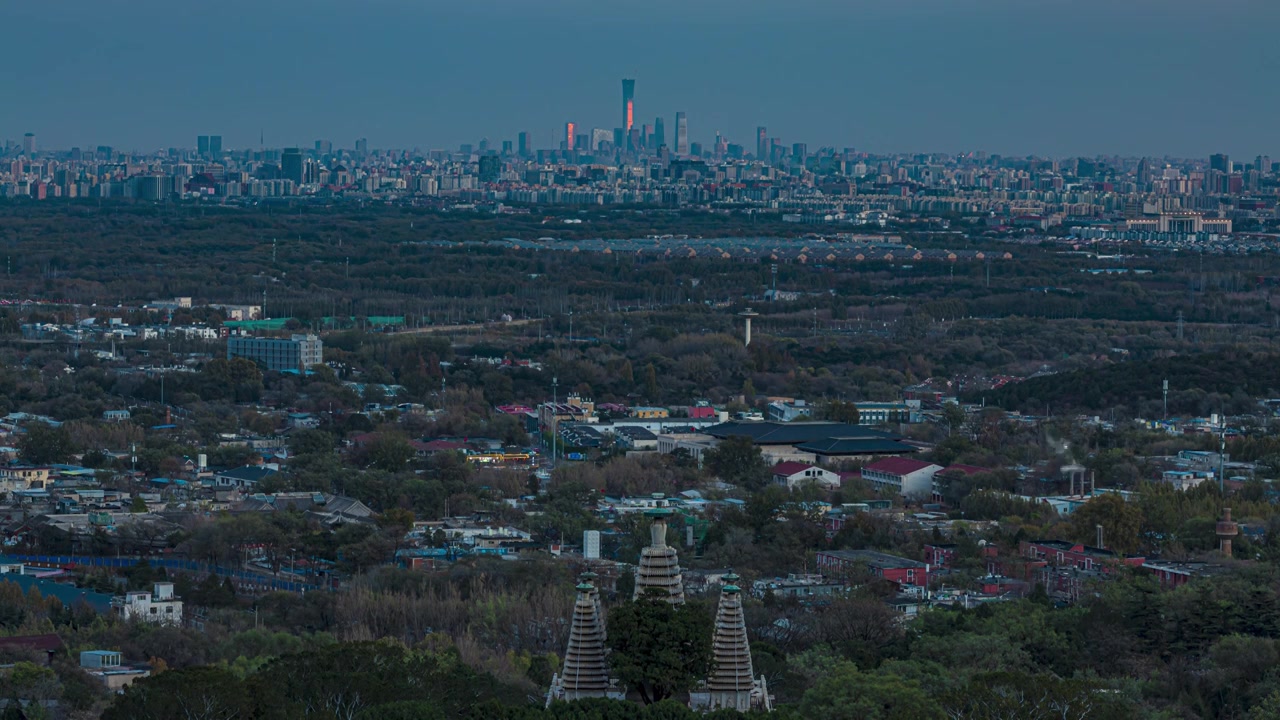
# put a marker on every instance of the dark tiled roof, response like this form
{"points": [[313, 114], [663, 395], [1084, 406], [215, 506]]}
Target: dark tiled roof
{"points": [[44, 643], [775, 433], [856, 446], [252, 473], [69, 595]]}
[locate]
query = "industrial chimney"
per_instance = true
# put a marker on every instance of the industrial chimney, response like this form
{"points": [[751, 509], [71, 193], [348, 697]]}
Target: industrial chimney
{"points": [[1225, 531]]}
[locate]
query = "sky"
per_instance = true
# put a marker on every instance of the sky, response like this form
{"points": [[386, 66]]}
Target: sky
{"points": [[1017, 77]]}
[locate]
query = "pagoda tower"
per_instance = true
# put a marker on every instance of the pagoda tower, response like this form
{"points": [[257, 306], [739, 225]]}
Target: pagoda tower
{"points": [[732, 683], [658, 574], [585, 672], [589, 578]]}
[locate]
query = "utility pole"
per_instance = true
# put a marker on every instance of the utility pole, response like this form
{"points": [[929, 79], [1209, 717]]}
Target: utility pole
{"points": [[1222, 457], [555, 426]]}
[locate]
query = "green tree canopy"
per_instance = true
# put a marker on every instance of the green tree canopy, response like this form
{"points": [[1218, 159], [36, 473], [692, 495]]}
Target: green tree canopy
{"points": [[659, 648]]}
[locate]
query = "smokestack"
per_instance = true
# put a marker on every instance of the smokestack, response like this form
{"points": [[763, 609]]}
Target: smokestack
{"points": [[1226, 530]]}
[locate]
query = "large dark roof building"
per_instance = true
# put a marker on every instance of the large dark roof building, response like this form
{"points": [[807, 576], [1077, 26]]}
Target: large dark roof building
{"points": [[824, 440], [794, 433]]}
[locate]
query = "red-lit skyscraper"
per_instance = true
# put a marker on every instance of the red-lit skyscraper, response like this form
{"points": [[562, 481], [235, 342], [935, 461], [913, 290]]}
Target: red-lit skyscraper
{"points": [[568, 136], [628, 105]]}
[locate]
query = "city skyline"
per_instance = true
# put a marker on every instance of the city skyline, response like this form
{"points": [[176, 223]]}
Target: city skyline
{"points": [[1088, 80]]}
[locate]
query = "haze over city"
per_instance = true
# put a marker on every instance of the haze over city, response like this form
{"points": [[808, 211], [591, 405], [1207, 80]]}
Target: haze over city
{"points": [[1180, 78]]}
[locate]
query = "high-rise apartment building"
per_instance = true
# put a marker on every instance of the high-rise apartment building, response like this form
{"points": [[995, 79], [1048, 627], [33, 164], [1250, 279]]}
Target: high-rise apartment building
{"points": [[490, 168], [1220, 162], [568, 136], [29, 144], [762, 143], [628, 105], [291, 165], [659, 133], [682, 134], [296, 354]]}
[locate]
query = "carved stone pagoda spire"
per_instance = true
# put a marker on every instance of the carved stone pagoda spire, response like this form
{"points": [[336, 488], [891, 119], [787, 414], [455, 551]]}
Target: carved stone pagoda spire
{"points": [[585, 672], [732, 679], [658, 574], [589, 578]]}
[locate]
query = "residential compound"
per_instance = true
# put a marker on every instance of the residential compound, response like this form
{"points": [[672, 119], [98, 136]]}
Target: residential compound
{"points": [[295, 354]]}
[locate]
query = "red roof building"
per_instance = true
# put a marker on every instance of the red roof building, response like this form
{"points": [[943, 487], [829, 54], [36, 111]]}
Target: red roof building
{"points": [[793, 474], [906, 476]]}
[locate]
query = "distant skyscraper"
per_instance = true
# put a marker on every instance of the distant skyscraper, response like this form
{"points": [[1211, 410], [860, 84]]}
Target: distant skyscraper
{"points": [[362, 146], [506, 147], [291, 165], [695, 149], [659, 133], [799, 151], [202, 145], [682, 134], [1220, 162], [215, 145], [600, 136], [568, 136], [490, 167], [628, 105], [524, 144], [646, 136], [762, 143], [29, 144]]}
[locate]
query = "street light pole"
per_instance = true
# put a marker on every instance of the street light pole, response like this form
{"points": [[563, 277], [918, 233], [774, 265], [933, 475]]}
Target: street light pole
{"points": [[555, 382]]}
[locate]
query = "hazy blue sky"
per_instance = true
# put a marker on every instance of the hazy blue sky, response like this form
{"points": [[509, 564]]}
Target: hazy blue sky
{"points": [[1052, 77]]}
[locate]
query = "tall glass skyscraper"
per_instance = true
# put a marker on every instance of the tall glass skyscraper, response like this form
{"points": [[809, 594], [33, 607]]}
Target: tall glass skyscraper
{"points": [[628, 105], [682, 134]]}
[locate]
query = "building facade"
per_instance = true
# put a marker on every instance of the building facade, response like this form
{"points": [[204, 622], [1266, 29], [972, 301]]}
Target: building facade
{"points": [[295, 354], [160, 606]]}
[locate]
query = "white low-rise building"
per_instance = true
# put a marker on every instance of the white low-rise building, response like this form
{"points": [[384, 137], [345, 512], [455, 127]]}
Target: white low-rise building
{"points": [[908, 477], [159, 606]]}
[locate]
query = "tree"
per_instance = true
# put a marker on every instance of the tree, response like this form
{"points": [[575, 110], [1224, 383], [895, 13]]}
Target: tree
{"points": [[659, 648], [198, 693], [651, 382], [737, 460], [953, 416], [1121, 522], [311, 442], [44, 444], [1018, 696], [845, 693], [842, 412], [389, 451]]}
